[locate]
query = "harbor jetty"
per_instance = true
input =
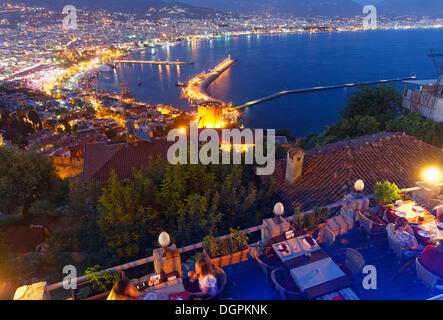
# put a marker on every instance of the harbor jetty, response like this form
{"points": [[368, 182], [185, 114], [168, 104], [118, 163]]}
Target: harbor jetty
{"points": [[196, 89], [283, 93]]}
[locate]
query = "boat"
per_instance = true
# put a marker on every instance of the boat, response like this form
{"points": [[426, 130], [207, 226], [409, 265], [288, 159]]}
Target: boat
{"points": [[181, 84]]}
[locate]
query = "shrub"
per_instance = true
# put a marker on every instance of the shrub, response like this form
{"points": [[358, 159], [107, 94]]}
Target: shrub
{"points": [[299, 220], [386, 193], [101, 281], [311, 220], [236, 242]]}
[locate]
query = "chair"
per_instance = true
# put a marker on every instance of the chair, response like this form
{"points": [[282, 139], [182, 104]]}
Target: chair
{"points": [[221, 283], [428, 278], [326, 238], [370, 226], [353, 263], [265, 263], [284, 285], [395, 247]]}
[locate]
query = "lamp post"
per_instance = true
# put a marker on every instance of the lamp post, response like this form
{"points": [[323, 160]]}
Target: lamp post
{"points": [[359, 186], [279, 210], [164, 240], [432, 176]]}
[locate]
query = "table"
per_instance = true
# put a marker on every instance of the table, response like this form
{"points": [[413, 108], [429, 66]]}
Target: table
{"points": [[320, 277], [434, 231], [343, 294], [329, 278], [164, 289], [297, 248], [411, 215]]}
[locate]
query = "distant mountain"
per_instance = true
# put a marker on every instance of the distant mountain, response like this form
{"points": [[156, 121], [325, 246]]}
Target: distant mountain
{"points": [[344, 8], [432, 8], [126, 6]]}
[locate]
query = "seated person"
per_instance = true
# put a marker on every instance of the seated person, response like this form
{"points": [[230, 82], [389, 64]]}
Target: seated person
{"points": [[207, 281], [124, 290], [440, 217], [432, 259], [404, 235]]}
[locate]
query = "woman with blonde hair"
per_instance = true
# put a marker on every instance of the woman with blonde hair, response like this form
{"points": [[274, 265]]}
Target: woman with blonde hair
{"points": [[207, 281]]}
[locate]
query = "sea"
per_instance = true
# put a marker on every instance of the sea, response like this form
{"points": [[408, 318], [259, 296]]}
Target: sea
{"points": [[269, 63]]}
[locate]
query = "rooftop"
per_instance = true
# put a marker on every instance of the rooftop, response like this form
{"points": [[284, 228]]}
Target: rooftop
{"points": [[329, 171]]}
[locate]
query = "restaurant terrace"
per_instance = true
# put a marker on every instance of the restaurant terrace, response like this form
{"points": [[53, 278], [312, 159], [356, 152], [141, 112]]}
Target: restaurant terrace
{"points": [[283, 261]]}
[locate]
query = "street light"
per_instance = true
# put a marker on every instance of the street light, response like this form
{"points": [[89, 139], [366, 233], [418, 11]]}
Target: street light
{"points": [[164, 239], [279, 210], [359, 185], [432, 175]]}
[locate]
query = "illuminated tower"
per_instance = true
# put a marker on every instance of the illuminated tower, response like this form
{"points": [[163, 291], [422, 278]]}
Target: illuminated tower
{"points": [[210, 115]]}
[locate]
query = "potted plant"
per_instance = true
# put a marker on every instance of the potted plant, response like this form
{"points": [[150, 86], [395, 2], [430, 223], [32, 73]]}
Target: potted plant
{"points": [[322, 215], [225, 252], [315, 219], [299, 222], [99, 284], [386, 193]]}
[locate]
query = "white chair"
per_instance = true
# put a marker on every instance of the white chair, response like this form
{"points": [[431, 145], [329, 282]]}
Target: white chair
{"points": [[368, 225], [428, 278], [326, 238], [354, 261], [395, 247]]}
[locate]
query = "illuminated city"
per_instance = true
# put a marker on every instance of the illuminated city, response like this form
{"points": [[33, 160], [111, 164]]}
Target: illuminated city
{"points": [[134, 137]]}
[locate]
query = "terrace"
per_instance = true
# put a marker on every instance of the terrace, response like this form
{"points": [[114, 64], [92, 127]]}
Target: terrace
{"points": [[245, 279]]}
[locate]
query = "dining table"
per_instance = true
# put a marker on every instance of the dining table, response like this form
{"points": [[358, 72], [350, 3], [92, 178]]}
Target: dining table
{"points": [[410, 210], [429, 232], [343, 294], [311, 268], [169, 290]]}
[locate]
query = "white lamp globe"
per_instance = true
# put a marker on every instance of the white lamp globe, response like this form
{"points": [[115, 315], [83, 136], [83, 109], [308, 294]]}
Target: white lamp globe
{"points": [[359, 185], [164, 239], [279, 209]]}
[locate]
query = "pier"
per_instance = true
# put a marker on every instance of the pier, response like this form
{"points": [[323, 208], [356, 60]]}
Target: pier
{"points": [[348, 85], [196, 88], [154, 62]]}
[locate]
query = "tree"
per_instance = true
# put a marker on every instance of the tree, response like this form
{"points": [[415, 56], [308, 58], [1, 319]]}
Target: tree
{"points": [[25, 177], [381, 101], [418, 126], [124, 208]]}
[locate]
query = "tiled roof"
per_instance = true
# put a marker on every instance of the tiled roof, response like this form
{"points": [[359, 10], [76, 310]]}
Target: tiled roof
{"points": [[102, 159], [329, 171]]}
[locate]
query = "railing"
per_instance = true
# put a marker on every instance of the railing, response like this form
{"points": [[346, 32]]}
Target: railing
{"points": [[121, 268]]}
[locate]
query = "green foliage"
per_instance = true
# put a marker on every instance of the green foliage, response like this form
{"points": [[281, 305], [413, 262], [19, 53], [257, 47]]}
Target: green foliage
{"points": [[321, 214], [27, 177], [219, 247], [124, 209], [184, 200], [310, 220], [299, 220], [386, 193], [101, 281], [367, 111], [414, 124], [380, 101], [83, 197], [239, 238]]}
